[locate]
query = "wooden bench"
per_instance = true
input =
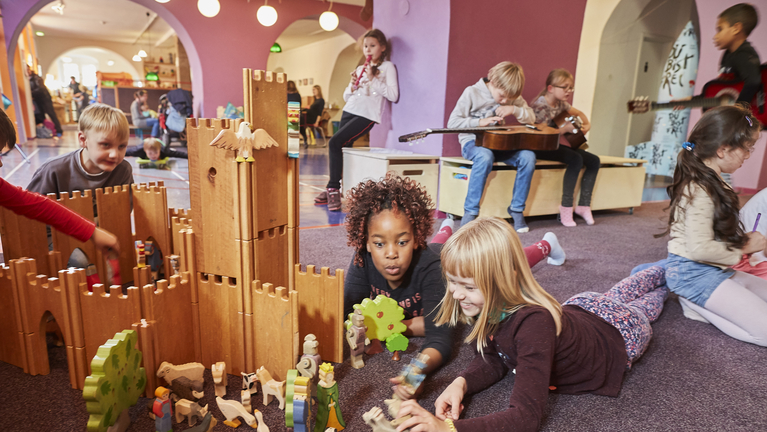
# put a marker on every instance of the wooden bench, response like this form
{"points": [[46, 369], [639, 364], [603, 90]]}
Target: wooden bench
{"points": [[619, 185]]}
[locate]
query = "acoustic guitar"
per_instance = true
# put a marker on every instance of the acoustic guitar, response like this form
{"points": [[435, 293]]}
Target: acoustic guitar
{"points": [[524, 137], [576, 139], [721, 91]]}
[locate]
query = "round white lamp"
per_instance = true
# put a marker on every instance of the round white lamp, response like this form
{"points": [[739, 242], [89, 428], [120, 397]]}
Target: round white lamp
{"points": [[266, 15], [329, 21], [208, 8]]}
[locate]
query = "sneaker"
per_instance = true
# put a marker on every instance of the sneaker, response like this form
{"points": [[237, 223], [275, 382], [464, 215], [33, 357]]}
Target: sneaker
{"points": [[321, 199], [557, 254], [689, 312], [334, 200], [519, 222]]}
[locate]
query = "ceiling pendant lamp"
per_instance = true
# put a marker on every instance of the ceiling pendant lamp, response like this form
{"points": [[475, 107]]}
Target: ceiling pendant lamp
{"points": [[266, 15], [152, 76], [136, 58], [208, 8], [328, 19], [142, 54], [276, 48]]}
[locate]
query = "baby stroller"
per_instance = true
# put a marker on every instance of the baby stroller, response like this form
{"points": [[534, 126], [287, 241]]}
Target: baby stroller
{"points": [[175, 107]]}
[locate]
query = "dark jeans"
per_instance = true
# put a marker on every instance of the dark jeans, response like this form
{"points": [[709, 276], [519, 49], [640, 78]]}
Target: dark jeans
{"points": [[575, 160], [352, 127], [45, 104]]}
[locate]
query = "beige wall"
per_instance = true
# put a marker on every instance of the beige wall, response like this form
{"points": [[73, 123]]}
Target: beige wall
{"points": [[317, 61]]}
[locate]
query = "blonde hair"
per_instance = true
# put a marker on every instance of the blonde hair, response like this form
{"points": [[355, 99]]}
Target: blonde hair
{"points": [[488, 251], [152, 144], [556, 77], [104, 118], [508, 77]]}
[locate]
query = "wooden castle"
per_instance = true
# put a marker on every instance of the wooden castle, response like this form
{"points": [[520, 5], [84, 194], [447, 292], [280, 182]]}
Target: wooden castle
{"points": [[240, 295]]}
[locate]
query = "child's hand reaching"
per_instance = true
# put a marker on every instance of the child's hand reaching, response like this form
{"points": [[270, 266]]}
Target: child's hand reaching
{"points": [[490, 121], [505, 110], [105, 241], [756, 242], [404, 392], [421, 420], [448, 404]]}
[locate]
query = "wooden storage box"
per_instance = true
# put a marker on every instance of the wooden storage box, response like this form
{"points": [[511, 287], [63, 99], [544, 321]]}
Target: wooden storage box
{"points": [[619, 185], [373, 163]]}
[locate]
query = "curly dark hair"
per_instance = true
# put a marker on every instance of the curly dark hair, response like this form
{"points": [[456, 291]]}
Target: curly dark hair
{"points": [[394, 193]]}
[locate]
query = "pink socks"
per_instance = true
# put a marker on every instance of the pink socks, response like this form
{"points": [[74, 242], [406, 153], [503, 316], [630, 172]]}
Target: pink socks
{"points": [[585, 213], [566, 216]]}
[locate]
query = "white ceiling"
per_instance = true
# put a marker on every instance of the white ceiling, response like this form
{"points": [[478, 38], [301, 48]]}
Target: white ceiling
{"points": [[304, 32], [108, 20], [123, 21]]}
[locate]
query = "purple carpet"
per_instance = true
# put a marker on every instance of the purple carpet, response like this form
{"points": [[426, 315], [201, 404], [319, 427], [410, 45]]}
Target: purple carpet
{"points": [[692, 377]]}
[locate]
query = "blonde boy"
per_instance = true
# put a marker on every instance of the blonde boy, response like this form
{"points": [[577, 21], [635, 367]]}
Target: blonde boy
{"points": [[99, 162], [487, 103], [154, 150]]}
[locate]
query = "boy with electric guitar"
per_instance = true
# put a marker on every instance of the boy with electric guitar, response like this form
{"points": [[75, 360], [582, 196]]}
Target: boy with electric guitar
{"points": [[487, 103], [741, 72]]}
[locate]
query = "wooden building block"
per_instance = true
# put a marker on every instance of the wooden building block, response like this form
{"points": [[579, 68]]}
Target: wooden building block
{"points": [[321, 309], [106, 313], [272, 263], [247, 202], [82, 204], [249, 347], [72, 366], [114, 209], [196, 331], [146, 345], [170, 309], [150, 215], [221, 325], [293, 208], [247, 272], [213, 191], [82, 366], [293, 259], [12, 349], [23, 238], [188, 261], [39, 298], [275, 328], [178, 224], [265, 106]]}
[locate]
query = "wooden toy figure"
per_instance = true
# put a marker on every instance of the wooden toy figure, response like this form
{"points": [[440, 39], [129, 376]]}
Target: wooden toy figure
{"points": [[328, 410], [311, 360], [413, 373], [356, 338], [153, 259], [163, 422], [140, 257]]}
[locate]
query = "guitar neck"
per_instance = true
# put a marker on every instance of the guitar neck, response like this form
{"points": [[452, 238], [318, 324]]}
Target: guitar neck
{"points": [[693, 103], [422, 134]]}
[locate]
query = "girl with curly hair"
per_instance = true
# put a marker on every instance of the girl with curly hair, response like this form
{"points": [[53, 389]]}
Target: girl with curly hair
{"points": [[388, 224]]}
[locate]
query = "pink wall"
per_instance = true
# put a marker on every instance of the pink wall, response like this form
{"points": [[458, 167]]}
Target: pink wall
{"points": [[484, 33], [218, 47], [418, 30], [751, 176]]}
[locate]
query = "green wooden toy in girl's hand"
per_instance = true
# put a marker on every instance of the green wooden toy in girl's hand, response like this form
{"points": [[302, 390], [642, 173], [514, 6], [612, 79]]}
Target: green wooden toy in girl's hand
{"points": [[383, 318]]}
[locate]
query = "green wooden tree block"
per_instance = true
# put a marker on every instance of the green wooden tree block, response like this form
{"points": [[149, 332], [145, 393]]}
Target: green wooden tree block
{"points": [[383, 317], [116, 382]]}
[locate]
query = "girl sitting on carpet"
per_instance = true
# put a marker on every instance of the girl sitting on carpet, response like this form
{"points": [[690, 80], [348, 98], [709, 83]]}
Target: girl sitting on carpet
{"points": [[706, 235], [584, 346], [387, 225]]}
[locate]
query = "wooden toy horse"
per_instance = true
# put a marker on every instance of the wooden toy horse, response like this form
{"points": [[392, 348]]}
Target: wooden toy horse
{"points": [[270, 387]]}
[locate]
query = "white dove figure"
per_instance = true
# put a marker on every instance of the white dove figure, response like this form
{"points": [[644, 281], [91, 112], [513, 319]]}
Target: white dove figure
{"points": [[244, 141]]}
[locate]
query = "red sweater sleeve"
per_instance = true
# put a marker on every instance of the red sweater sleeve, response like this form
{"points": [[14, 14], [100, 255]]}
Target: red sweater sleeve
{"points": [[40, 208]]}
